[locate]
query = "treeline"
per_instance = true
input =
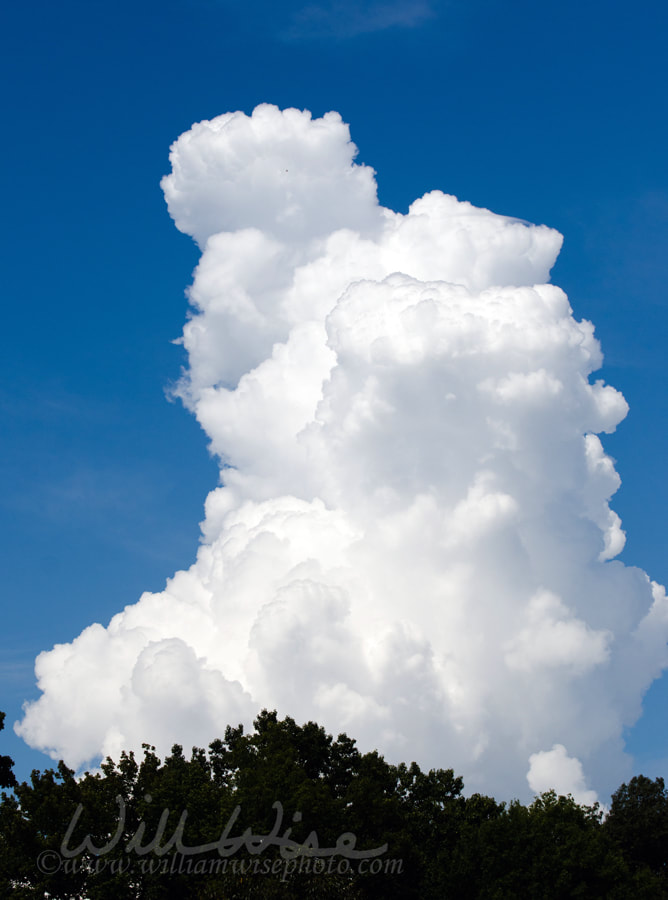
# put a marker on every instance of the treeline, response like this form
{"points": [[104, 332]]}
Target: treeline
{"points": [[289, 812]]}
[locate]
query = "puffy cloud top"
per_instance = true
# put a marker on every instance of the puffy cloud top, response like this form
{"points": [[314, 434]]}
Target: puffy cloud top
{"points": [[279, 172], [412, 540]]}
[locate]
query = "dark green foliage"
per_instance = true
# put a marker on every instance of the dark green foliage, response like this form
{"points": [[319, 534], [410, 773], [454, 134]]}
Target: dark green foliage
{"points": [[554, 848], [7, 779], [125, 831], [638, 824]]}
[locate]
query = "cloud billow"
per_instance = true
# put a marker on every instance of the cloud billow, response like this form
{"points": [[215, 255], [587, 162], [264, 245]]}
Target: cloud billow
{"points": [[412, 540]]}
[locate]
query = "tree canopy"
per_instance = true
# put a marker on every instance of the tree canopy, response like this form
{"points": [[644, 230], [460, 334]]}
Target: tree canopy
{"points": [[288, 811], [7, 778]]}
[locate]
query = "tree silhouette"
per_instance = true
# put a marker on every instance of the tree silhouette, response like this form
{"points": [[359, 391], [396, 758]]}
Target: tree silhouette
{"points": [[7, 777], [263, 814]]}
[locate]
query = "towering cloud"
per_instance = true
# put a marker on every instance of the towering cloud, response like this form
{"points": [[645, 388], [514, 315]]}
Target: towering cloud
{"points": [[412, 540]]}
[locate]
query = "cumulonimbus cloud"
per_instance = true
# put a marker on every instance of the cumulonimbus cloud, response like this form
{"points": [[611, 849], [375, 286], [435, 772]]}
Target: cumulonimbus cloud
{"points": [[412, 540]]}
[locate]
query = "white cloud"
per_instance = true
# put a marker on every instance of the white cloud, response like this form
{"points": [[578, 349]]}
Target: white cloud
{"points": [[555, 770], [413, 539], [552, 637]]}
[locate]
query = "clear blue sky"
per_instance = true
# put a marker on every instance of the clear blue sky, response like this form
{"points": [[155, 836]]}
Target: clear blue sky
{"points": [[551, 112]]}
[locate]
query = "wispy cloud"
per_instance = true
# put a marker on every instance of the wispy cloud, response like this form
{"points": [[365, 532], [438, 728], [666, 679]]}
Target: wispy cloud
{"points": [[345, 19], [17, 668]]}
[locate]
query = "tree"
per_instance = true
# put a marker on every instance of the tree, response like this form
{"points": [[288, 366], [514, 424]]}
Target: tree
{"points": [[262, 815], [291, 784], [550, 850], [7, 777], [638, 824]]}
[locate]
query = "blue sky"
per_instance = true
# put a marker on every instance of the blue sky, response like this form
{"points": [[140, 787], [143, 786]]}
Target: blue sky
{"points": [[554, 113]]}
